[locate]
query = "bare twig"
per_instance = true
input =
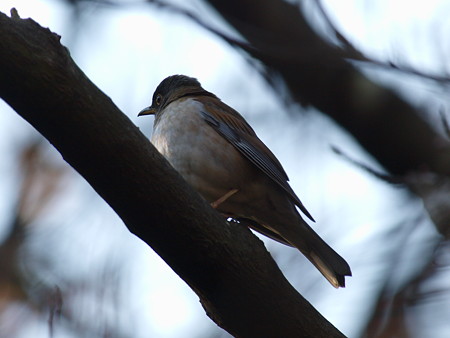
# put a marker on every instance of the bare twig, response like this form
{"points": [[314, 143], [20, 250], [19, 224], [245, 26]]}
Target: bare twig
{"points": [[55, 305], [350, 52], [444, 121], [14, 14], [384, 177]]}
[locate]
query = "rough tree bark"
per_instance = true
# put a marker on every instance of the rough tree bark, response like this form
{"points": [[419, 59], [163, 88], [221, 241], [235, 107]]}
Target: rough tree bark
{"points": [[238, 283]]}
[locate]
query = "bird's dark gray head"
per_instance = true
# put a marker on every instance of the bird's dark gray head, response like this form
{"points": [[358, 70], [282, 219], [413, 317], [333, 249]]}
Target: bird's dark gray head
{"points": [[170, 89], [173, 83]]}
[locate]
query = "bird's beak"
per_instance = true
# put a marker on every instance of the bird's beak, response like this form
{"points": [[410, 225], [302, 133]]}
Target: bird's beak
{"points": [[147, 111]]}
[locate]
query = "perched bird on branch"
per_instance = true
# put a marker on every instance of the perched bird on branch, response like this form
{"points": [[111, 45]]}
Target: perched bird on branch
{"points": [[217, 152]]}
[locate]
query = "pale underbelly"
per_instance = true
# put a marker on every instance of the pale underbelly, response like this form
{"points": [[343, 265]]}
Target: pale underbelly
{"points": [[208, 162]]}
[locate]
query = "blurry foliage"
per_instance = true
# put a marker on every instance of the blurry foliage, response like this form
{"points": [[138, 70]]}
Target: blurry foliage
{"points": [[39, 181]]}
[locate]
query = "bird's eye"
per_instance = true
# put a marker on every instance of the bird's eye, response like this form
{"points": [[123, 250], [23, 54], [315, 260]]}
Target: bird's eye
{"points": [[158, 99]]}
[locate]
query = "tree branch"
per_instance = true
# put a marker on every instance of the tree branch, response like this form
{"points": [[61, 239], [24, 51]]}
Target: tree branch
{"points": [[238, 283], [350, 52], [317, 74]]}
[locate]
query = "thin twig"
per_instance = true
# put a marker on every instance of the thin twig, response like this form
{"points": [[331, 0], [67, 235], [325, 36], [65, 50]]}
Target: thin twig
{"points": [[384, 177], [350, 52], [444, 121]]}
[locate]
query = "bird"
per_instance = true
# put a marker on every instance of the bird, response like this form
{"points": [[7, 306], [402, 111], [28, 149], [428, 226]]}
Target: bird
{"points": [[219, 154]]}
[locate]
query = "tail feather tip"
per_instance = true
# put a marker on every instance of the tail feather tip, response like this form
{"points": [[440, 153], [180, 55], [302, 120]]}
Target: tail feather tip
{"points": [[336, 279]]}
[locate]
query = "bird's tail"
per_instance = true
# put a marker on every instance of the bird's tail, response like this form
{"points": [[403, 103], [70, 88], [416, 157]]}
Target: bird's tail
{"points": [[332, 266], [301, 236]]}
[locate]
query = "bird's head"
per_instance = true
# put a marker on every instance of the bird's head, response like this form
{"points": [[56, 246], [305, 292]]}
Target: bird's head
{"points": [[170, 89]]}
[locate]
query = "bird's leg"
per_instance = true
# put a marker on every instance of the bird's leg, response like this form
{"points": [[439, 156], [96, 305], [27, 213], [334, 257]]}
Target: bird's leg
{"points": [[222, 199]]}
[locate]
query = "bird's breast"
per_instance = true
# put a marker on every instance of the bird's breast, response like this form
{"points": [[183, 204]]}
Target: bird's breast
{"points": [[204, 158]]}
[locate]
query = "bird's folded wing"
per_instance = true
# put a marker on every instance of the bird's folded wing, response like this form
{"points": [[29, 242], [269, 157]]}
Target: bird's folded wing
{"points": [[232, 126]]}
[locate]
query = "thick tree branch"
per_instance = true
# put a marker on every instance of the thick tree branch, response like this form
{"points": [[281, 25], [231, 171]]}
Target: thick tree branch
{"points": [[238, 283]]}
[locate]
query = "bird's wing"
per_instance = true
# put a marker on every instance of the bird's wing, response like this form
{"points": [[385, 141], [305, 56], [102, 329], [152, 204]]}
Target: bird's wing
{"points": [[232, 126]]}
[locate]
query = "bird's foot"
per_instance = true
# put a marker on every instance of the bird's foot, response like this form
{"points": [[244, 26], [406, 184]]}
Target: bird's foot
{"points": [[222, 199]]}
